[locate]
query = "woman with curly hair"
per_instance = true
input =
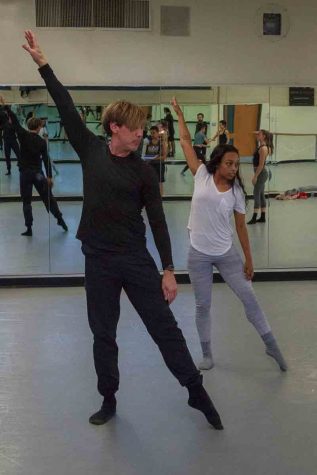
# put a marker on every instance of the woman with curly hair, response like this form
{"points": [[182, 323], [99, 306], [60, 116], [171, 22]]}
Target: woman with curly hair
{"points": [[218, 194]]}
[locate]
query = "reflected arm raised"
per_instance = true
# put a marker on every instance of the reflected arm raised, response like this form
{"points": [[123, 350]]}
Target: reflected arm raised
{"points": [[185, 139]]}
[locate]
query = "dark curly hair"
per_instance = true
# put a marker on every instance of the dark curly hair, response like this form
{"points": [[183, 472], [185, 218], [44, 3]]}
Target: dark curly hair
{"points": [[216, 157]]}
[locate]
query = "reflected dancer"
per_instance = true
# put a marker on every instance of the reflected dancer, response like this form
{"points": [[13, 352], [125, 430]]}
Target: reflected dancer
{"points": [[222, 134], [261, 174], [156, 153], [9, 137], [201, 142], [33, 153]]}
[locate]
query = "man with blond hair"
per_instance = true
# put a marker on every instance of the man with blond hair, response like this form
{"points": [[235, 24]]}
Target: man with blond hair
{"points": [[117, 186]]}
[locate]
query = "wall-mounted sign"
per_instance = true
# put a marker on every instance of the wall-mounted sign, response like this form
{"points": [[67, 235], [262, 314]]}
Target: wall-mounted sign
{"points": [[301, 96], [272, 23]]}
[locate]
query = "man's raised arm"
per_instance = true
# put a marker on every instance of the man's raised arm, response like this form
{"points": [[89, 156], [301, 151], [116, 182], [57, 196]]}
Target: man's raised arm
{"points": [[78, 134]]}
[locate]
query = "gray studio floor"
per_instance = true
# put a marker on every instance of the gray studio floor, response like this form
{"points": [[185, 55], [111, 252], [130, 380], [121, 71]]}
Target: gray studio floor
{"points": [[48, 390]]}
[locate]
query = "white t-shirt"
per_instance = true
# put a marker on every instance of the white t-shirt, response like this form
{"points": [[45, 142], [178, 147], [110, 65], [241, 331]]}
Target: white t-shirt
{"points": [[209, 223]]}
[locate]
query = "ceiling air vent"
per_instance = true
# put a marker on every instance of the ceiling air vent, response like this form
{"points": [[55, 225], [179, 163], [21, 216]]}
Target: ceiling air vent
{"points": [[112, 14]]}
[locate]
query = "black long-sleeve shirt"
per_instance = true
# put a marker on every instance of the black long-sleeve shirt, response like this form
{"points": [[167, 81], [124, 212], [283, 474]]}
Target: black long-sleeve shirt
{"points": [[8, 131], [33, 148], [116, 189], [170, 123]]}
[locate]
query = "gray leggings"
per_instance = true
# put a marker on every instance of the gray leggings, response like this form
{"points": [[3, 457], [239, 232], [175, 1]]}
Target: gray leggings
{"points": [[258, 191], [231, 268]]}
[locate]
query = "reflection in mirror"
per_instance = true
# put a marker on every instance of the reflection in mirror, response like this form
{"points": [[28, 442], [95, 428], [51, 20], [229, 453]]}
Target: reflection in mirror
{"points": [[199, 105], [66, 255], [240, 113], [193, 100], [65, 162], [291, 170], [24, 187], [246, 110], [294, 178]]}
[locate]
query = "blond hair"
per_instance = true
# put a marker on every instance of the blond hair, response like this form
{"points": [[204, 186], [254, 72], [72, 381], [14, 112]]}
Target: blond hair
{"points": [[123, 113]]}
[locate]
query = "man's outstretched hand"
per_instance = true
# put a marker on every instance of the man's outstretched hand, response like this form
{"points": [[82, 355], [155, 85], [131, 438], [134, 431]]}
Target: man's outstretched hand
{"points": [[33, 48]]}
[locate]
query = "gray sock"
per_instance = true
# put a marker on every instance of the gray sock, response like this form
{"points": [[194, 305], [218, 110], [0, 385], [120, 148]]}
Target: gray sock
{"points": [[207, 362], [273, 350]]}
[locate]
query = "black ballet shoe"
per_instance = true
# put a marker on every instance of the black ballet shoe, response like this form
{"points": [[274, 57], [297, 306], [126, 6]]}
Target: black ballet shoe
{"points": [[200, 400], [62, 223], [253, 220], [28, 232], [106, 412]]}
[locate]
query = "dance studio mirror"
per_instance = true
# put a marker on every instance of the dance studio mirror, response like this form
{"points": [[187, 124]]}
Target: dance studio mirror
{"points": [[275, 244], [245, 110], [196, 103], [292, 223], [22, 254]]}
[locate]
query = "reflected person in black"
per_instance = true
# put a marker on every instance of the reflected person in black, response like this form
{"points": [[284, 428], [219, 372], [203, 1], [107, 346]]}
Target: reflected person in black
{"points": [[117, 186], [201, 123], [222, 134], [9, 137], [33, 153], [171, 131], [155, 153], [147, 127], [201, 142], [98, 112], [61, 130], [44, 134]]}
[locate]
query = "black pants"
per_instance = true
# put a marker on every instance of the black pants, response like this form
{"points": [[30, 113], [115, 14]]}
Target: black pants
{"points": [[11, 144], [106, 275], [28, 178], [201, 153]]}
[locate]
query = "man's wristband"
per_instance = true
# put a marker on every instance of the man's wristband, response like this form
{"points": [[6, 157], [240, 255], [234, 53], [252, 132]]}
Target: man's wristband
{"points": [[170, 268]]}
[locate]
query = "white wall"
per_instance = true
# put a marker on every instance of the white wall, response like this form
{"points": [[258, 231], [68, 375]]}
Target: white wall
{"points": [[223, 48], [294, 120]]}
